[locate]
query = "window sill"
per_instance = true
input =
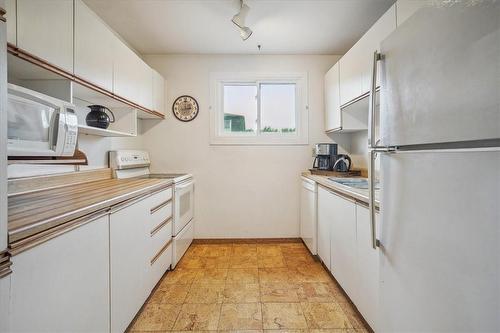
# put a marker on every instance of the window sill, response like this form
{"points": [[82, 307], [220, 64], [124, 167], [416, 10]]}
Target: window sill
{"points": [[258, 141]]}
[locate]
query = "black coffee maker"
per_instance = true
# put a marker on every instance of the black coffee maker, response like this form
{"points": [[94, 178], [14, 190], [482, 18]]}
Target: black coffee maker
{"points": [[325, 156]]}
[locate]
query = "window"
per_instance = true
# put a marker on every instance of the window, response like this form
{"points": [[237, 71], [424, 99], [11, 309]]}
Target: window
{"points": [[258, 109]]}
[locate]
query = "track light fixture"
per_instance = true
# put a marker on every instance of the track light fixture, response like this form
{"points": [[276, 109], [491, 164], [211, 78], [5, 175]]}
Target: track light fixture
{"points": [[239, 21]]}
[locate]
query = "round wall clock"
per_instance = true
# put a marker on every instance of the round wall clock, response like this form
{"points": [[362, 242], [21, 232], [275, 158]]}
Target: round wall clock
{"points": [[185, 108]]}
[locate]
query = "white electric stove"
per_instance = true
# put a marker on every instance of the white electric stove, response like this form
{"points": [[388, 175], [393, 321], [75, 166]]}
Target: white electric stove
{"points": [[136, 164]]}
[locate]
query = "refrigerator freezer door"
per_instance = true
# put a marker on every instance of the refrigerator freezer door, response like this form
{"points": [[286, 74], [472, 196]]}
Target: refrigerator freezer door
{"points": [[440, 76], [440, 242]]}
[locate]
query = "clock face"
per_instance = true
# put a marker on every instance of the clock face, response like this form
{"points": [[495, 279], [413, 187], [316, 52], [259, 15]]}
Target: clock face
{"points": [[185, 108]]}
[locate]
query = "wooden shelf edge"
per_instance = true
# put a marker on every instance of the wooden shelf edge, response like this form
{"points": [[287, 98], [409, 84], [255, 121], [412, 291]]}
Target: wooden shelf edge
{"points": [[20, 53], [89, 130]]}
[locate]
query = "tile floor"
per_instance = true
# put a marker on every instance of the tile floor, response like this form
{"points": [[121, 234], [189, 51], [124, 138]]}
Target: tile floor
{"points": [[248, 287]]}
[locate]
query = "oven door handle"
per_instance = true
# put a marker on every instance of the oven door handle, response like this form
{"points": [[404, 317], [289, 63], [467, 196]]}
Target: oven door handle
{"points": [[182, 186]]}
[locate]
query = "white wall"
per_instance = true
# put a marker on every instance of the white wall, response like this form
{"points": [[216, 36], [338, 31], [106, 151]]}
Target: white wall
{"points": [[241, 191]]}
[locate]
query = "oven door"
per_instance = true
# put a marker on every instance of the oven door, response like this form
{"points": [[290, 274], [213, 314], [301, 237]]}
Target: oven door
{"points": [[183, 205]]}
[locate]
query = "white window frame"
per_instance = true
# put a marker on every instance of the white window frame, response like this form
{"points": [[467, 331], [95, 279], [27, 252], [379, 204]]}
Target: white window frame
{"points": [[220, 137]]}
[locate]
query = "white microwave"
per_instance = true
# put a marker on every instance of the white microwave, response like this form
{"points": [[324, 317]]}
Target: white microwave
{"points": [[39, 125]]}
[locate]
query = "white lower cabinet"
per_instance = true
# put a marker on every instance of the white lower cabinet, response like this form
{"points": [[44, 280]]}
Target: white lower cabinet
{"points": [[128, 263], [344, 238], [62, 285], [366, 299], [325, 214], [343, 243]]}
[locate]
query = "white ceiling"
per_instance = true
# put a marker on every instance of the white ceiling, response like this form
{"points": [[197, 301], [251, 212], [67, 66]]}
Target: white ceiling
{"points": [[204, 26]]}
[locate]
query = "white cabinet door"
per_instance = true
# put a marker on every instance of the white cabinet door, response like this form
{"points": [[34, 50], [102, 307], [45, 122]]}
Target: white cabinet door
{"points": [[10, 7], [93, 47], [332, 99], [343, 243], [4, 303], [308, 209], [356, 64], [351, 74], [324, 225], [128, 264], [45, 29], [368, 272], [158, 92], [62, 285], [370, 43], [132, 77]]}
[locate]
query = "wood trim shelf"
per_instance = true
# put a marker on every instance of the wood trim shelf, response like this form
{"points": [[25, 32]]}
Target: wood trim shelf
{"points": [[84, 129], [22, 54]]}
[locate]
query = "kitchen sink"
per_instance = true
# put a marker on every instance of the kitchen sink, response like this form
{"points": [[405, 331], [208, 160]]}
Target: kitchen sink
{"points": [[359, 183]]}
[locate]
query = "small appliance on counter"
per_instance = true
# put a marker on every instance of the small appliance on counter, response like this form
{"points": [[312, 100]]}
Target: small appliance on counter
{"points": [[97, 117], [325, 156], [342, 163]]}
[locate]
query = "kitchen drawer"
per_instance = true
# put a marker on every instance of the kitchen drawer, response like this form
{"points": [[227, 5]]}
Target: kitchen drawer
{"points": [[159, 266], [160, 208], [159, 238]]}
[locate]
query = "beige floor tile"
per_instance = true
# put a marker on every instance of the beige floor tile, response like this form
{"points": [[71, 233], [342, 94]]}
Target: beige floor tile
{"points": [[241, 293], [170, 294], [244, 262], [339, 294], [325, 315], [240, 316], [198, 317], [211, 275], [156, 317], [289, 252], [192, 262], [273, 292], [298, 260], [309, 273], [217, 250], [243, 275], [205, 293], [240, 331], [244, 249], [317, 292], [217, 262], [354, 318], [283, 315], [271, 262], [268, 250], [274, 275], [196, 250], [287, 331], [179, 276]]}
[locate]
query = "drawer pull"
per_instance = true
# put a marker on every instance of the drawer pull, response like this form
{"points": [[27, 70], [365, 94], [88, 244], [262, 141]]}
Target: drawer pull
{"points": [[161, 252], [160, 206], [159, 226]]}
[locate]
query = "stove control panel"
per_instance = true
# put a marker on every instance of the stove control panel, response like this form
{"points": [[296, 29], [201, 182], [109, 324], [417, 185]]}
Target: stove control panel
{"points": [[127, 159]]}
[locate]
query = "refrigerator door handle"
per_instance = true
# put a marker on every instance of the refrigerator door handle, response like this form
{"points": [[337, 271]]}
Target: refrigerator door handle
{"points": [[371, 103], [371, 197]]}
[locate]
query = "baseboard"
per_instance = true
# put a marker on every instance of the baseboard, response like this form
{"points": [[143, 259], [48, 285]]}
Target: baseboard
{"points": [[245, 240]]}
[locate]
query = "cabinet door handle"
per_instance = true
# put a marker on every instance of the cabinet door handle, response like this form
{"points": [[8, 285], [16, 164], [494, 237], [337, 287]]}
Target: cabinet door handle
{"points": [[371, 103], [160, 206]]}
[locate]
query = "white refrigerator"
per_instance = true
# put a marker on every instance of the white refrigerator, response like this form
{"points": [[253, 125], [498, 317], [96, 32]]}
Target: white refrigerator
{"points": [[437, 135]]}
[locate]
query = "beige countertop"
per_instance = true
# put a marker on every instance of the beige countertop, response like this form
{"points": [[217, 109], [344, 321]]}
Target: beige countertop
{"points": [[359, 195], [33, 213]]}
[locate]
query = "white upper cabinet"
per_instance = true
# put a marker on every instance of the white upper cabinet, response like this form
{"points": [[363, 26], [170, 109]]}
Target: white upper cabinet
{"points": [[158, 92], [356, 64], [10, 7], [332, 99], [133, 78], [93, 47], [45, 29]]}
